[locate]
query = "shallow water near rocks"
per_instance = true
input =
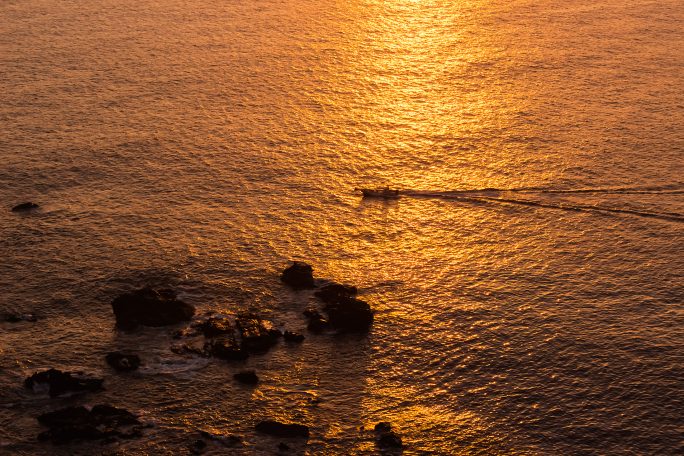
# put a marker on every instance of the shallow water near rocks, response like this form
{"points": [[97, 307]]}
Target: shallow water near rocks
{"points": [[202, 145]]}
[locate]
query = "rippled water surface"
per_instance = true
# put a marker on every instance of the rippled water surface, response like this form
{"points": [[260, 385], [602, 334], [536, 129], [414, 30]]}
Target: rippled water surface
{"points": [[203, 144]]}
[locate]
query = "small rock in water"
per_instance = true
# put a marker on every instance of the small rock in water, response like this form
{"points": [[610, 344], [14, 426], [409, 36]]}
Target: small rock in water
{"points": [[15, 317], [292, 336], [122, 361], [279, 429], [257, 335], [198, 446], [317, 323], [60, 382], [298, 275], [150, 307], [385, 437], [248, 377], [225, 347], [79, 423], [25, 207]]}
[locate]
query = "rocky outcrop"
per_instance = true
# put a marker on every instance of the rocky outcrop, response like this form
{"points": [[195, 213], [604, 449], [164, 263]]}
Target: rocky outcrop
{"points": [[386, 437], [123, 361], [298, 275], [279, 429], [150, 307], [248, 377], [58, 382], [23, 207], [291, 336], [257, 335], [79, 423], [349, 314]]}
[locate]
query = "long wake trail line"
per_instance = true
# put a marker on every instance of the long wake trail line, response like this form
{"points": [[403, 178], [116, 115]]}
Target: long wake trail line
{"points": [[662, 190], [468, 196]]}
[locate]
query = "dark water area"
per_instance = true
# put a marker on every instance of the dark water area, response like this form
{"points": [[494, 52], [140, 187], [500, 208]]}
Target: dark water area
{"points": [[527, 285]]}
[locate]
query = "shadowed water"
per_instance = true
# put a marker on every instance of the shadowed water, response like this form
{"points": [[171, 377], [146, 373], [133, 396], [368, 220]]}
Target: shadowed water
{"points": [[202, 144]]}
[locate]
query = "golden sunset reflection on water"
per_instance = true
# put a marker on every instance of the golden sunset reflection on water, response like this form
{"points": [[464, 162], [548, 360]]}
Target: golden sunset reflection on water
{"points": [[201, 145]]}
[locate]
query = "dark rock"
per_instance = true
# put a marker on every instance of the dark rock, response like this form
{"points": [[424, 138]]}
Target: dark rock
{"points": [[79, 423], [279, 429], [123, 361], [282, 446], [225, 347], [248, 377], [291, 336], [349, 314], [298, 275], [334, 292], [198, 446], [215, 326], [25, 207], [390, 440], [15, 317], [385, 437], [150, 307], [383, 426], [60, 382], [311, 312], [257, 335], [317, 323]]}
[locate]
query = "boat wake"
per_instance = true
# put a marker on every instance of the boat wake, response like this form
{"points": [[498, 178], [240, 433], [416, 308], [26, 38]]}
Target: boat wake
{"points": [[494, 196]]}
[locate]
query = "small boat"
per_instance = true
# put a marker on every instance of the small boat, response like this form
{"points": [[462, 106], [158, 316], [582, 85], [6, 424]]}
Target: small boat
{"points": [[386, 193]]}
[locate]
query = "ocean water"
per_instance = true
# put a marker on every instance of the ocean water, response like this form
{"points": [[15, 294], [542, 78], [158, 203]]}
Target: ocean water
{"points": [[203, 144]]}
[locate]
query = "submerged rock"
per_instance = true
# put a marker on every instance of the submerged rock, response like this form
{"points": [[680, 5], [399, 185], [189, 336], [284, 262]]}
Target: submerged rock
{"points": [[225, 347], [334, 292], [298, 275], [229, 440], [248, 377], [59, 382], [385, 437], [349, 314], [292, 336], [79, 423], [150, 307], [122, 361], [317, 322], [25, 207], [279, 429], [257, 335]]}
